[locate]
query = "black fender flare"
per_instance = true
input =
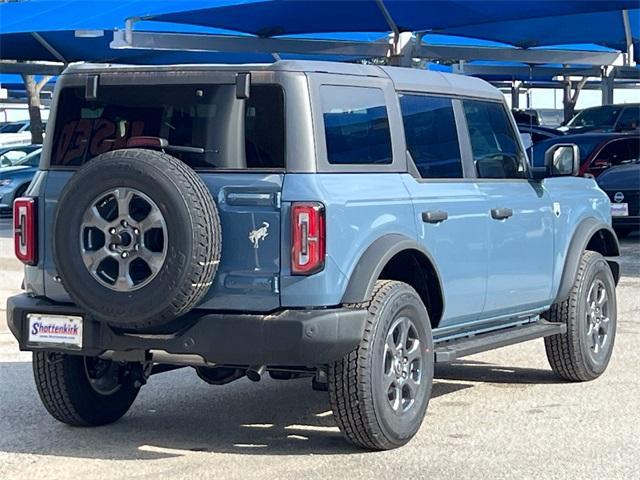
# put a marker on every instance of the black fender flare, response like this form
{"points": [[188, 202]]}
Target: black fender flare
{"points": [[373, 261], [579, 242]]}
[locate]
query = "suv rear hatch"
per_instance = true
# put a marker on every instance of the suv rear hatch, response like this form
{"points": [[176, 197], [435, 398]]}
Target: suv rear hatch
{"points": [[236, 145]]}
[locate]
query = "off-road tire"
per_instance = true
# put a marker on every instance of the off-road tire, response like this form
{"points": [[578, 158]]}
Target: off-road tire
{"points": [[193, 246], [354, 392], [67, 394], [569, 354]]}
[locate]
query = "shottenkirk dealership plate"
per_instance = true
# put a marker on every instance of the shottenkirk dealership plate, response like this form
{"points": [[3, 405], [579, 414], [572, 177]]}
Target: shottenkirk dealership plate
{"points": [[619, 209], [55, 330]]}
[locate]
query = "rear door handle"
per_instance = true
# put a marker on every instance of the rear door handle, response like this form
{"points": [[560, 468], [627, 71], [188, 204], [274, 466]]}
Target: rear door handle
{"points": [[501, 213], [435, 216]]}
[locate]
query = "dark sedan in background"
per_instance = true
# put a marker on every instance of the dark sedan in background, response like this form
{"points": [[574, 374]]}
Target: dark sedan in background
{"points": [[622, 185], [605, 118], [598, 151]]}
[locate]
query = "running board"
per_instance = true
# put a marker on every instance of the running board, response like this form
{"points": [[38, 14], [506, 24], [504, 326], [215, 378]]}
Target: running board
{"points": [[454, 349]]}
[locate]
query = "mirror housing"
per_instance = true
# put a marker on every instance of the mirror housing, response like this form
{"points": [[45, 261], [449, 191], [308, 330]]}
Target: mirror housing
{"points": [[560, 160]]}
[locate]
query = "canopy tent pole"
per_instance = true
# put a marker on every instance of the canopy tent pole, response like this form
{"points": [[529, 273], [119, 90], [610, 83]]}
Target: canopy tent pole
{"points": [[48, 47], [628, 56], [401, 42]]}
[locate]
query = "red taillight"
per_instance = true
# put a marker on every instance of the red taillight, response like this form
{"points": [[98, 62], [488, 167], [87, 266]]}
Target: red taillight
{"points": [[308, 237], [24, 230]]}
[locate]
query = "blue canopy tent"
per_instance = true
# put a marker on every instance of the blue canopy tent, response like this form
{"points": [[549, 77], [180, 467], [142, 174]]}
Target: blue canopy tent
{"points": [[280, 25], [267, 18], [601, 28], [72, 30]]}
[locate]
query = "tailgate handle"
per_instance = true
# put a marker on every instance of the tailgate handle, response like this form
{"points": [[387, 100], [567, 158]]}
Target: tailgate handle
{"points": [[435, 216]]}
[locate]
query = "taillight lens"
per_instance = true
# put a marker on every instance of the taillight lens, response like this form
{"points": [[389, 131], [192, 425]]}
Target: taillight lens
{"points": [[308, 238], [24, 230]]}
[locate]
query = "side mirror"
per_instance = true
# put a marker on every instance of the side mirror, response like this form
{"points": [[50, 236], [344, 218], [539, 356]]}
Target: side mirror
{"points": [[560, 160]]}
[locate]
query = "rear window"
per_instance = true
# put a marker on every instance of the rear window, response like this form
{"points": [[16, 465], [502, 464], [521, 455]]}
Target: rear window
{"points": [[199, 122], [356, 125]]}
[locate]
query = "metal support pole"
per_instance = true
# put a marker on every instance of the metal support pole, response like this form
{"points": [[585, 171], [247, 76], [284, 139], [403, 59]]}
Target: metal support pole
{"points": [[607, 85], [628, 55], [515, 94], [400, 44]]}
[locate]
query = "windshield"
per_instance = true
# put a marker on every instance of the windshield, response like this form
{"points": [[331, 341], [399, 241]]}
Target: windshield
{"points": [[11, 128], [202, 122], [31, 160], [600, 117]]}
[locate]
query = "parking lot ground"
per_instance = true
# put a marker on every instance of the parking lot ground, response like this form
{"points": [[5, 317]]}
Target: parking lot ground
{"points": [[501, 414]]}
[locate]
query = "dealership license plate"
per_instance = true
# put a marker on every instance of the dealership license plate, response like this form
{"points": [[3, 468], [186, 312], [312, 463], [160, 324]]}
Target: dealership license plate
{"points": [[60, 330], [619, 209]]}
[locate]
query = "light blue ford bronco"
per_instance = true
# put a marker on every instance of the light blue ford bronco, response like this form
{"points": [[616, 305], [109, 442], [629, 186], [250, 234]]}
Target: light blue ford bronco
{"points": [[354, 224]]}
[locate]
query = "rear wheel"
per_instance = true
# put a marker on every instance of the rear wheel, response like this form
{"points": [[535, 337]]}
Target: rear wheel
{"points": [[380, 391], [589, 312], [84, 391]]}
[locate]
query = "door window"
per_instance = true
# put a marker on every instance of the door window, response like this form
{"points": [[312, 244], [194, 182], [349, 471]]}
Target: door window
{"points": [[615, 153], [432, 138], [494, 142], [630, 119], [356, 125]]}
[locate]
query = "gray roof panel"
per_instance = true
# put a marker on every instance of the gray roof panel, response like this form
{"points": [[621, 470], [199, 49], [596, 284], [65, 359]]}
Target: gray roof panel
{"points": [[411, 79]]}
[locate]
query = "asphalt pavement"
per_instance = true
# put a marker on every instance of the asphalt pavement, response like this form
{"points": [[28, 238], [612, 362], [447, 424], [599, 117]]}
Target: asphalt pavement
{"points": [[501, 414]]}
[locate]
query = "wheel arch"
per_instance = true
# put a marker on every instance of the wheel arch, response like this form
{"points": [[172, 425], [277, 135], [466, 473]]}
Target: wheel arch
{"points": [[591, 234], [384, 259]]}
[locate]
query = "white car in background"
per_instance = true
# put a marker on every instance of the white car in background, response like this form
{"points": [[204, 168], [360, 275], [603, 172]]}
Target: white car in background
{"points": [[16, 133]]}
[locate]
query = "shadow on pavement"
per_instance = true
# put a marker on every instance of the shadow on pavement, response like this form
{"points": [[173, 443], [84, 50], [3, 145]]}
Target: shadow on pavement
{"points": [[176, 414], [469, 370], [630, 256]]}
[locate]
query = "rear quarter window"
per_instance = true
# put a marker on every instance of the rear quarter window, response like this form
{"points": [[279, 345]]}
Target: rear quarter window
{"points": [[356, 125]]}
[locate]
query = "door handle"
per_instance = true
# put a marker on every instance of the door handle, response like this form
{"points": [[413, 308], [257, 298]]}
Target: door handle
{"points": [[435, 216], [501, 213]]}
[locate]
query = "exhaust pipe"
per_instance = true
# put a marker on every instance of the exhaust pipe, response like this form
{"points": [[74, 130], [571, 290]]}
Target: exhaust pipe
{"points": [[256, 372]]}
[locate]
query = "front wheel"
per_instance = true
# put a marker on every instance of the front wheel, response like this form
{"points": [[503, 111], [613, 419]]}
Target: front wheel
{"points": [[380, 391], [589, 312], [84, 391]]}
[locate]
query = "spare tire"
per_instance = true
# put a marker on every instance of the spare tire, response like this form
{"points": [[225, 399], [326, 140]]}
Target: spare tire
{"points": [[136, 238]]}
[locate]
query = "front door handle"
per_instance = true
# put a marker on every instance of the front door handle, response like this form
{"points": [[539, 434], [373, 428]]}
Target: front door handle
{"points": [[501, 213], [435, 216]]}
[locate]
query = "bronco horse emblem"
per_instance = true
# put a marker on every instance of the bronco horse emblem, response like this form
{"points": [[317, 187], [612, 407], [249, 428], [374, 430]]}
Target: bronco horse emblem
{"points": [[259, 234]]}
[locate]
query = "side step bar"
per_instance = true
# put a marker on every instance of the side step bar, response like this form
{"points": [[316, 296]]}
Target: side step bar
{"points": [[453, 349]]}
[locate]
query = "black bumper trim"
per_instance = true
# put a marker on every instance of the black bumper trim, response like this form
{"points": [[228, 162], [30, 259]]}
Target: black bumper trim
{"points": [[287, 337]]}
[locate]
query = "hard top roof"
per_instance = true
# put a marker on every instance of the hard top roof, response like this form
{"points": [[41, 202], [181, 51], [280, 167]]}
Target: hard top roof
{"points": [[409, 79]]}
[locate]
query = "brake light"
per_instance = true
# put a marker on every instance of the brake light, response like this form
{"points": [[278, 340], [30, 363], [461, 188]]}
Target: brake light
{"points": [[24, 230], [308, 238]]}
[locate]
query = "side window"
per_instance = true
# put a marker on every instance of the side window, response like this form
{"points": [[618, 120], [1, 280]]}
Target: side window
{"points": [[496, 151], [356, 125], [264, 127], [432, 138], [630, 119], [616, 152]]}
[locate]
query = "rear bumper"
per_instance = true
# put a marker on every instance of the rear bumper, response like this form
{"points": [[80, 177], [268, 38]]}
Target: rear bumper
{"points": [[288, 337]]}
